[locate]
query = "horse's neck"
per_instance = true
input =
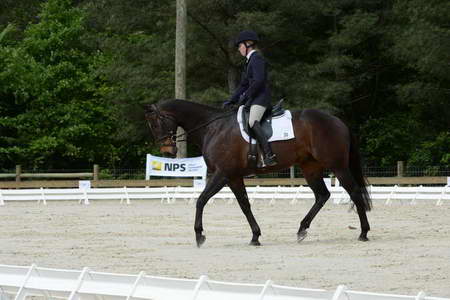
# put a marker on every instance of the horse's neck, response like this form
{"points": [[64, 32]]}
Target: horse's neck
{"points": [[192, 119]]}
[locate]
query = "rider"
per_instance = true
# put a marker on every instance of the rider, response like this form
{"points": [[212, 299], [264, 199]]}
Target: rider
{"points": [[254, 90]]}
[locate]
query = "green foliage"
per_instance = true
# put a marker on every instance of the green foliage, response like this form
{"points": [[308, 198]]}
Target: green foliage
{"points": [[390, 139], [53, 115], [137, 43], [433, 153], [421, 44]]}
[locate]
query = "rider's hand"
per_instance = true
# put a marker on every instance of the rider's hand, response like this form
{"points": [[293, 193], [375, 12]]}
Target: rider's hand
{"points": [[227, 104]]}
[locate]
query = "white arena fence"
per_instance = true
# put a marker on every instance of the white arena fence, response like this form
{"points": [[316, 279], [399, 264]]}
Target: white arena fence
{"points": [[387, 194], [18, 282]]}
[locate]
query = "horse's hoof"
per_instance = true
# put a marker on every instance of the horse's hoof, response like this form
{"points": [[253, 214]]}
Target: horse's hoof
{"points": [[301, 235], [255, 243], [363, 239], [200, 240]]}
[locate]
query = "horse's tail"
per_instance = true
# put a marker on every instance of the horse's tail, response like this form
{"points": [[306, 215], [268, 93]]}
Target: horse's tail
{"points": [[357, 173]]}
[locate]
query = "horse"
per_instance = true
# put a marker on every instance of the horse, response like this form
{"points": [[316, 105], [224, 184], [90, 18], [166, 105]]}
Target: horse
{"points": [[322, 141]]}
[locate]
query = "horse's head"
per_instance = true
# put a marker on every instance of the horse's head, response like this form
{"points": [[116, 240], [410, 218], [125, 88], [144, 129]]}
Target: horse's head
{"points": [[163, 128]]}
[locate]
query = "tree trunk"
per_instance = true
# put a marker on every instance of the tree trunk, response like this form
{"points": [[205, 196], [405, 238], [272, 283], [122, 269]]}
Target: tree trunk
{"points": [[180, 67], [232, 78]]}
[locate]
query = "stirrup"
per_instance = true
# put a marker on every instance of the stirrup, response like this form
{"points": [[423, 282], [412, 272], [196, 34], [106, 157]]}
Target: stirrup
{"points": [[270, 160]]}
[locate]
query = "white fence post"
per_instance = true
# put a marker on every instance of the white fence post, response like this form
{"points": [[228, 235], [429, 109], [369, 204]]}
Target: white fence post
{"points": [[294, 199], [444, 191], [388, 200], [135, 285], [413, 201], [420, 296], [166, 196], [265, 288], [1, 198], [85, 199], [273, 201], [74, 293], [21, 294], [339, 290], [125, 191], [42, 196], [342, 195], [253, 195], [199, 284]]}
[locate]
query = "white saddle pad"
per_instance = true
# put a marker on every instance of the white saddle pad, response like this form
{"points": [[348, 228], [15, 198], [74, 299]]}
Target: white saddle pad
{"points": [[281, 126]]}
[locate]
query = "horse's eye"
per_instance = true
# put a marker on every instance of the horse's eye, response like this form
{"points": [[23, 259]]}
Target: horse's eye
{"points": [[148, 108]]}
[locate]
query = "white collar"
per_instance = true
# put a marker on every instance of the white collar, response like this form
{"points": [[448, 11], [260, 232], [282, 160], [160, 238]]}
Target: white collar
{"points": [[250, 54]]}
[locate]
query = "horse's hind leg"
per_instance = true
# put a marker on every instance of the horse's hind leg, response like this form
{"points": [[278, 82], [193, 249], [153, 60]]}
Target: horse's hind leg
{"points": [[238, 188], [347, 181], [314, 178]]}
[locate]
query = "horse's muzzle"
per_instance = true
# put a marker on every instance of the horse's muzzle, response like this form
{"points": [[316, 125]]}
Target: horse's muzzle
{"points": [[168, 148]]}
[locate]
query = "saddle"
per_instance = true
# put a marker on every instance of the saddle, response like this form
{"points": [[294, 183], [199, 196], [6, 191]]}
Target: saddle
{"points": [[254, 155]]}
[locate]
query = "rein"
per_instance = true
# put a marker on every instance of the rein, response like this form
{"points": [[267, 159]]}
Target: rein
{"points": [[173, 137]]}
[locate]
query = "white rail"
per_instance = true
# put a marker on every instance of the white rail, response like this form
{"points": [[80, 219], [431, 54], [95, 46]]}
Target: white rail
{"points": [[387, 194], [17, 282]]}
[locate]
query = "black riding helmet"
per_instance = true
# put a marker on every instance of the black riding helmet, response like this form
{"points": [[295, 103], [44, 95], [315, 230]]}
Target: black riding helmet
{"points": [[246, 35]]}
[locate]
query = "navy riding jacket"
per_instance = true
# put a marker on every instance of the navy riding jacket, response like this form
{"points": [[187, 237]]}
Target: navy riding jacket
{"points": [[254, 82]]}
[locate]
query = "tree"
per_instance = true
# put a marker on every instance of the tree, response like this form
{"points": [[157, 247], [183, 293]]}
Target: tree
{"points": [[417, 45], [137, 42], [421, 43], [53, 115]]}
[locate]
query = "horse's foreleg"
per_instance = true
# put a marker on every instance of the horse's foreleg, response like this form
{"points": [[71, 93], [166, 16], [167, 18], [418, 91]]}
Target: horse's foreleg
{"points": [[238, 188], [215, 184], [321, 194]]}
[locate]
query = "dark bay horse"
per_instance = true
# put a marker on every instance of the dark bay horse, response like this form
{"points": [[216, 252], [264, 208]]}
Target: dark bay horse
{"points": [[321, 142]]}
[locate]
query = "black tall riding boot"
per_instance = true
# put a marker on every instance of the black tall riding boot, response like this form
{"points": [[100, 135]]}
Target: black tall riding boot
{"points": [[270, 159]]}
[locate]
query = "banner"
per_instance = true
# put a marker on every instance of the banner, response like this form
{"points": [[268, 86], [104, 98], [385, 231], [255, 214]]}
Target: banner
{"points": [[176, 167]]}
